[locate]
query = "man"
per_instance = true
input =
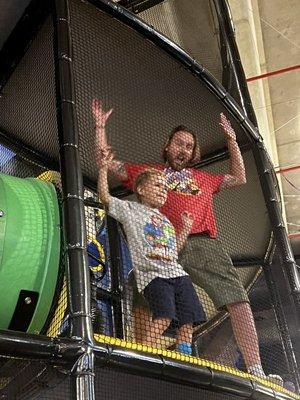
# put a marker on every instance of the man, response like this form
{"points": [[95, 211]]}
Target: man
{"points": [[191, 190]]}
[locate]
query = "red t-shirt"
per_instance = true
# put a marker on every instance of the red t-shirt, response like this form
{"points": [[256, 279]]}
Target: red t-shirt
{"points": [[189, 190]]}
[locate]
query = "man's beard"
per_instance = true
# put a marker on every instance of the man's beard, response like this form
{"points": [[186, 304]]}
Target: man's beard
{"points": [[177, 163]]}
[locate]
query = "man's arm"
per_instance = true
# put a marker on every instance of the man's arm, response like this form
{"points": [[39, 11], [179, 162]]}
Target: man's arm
{"points": [[187, 220], [117, 168], [237, 174]]}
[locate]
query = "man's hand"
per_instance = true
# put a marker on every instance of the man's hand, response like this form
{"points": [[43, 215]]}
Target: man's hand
{"points": [[228, 129], [236, 175], [99, 114], [187, 221]]}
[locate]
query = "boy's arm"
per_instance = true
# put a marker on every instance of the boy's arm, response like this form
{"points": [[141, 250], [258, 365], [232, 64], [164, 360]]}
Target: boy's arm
{"points": [[103, 190], [103, 157], [116, 208], [116, 167], [187, 220]]}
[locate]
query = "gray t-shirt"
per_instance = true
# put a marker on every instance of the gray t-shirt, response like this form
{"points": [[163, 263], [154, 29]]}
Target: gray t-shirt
{"points": [[151, 240]]}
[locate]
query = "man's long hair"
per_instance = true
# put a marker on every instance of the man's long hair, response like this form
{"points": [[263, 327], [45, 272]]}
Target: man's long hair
{"points": [[196, 155]]}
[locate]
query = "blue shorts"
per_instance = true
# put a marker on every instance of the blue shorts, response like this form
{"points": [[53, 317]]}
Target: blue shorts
{"points": [[175, 299]]}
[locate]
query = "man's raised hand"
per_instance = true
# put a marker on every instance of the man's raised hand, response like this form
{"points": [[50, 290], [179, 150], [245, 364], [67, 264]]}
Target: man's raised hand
{"points": [[228, 129]]}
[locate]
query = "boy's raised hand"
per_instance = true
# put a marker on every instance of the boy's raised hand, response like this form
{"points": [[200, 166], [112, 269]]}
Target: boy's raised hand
{"points": [[187, 221], [99, 114]]}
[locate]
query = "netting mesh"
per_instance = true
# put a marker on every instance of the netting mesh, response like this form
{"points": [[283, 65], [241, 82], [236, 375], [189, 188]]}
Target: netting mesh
{"points": [[27, 380], [31, 113], [118, 385], [150, 94], [139, 292], [192, 25]]}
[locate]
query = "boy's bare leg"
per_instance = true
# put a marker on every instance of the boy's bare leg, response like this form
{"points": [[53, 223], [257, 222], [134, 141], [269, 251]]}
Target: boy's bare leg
{"points": [[142, 323], [244, 330], [185, 334], [184, 339], [157, 328]]}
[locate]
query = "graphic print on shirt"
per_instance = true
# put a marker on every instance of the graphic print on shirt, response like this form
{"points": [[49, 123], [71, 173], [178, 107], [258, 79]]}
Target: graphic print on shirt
{"points": [[181, 181], [159, 235]]}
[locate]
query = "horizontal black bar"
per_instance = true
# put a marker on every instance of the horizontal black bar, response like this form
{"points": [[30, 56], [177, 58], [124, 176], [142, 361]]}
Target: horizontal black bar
{"points": [[103, 294], [19, 344], [26, 152], [178, 54], [208, 159], [29, 155], [138, 6], [220, 155], [59, 350], [93, 203], [151, 365]]}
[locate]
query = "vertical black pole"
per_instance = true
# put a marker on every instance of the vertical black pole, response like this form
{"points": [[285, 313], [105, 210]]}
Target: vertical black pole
{"points": [[228, 38], [272, 200], [116, 267], [281, 319], [73, 204]]}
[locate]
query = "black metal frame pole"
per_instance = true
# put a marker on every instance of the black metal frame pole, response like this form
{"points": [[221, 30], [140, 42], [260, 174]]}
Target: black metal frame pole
{"points": [[281, 319], [137, 6], [116, 265], [281, 238], [24, 345], [227, 38], [27, 153], [73, 204]]}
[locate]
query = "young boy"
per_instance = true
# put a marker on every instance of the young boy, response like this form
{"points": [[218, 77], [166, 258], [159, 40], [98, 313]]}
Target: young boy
{"points": [[154, 251]]}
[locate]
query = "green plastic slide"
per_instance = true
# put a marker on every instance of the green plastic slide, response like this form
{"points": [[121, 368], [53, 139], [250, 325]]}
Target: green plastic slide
{"points": [[29, 252]]}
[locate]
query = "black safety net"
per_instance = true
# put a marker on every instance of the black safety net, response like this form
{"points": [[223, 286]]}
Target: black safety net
{"points": [[179, 278]]}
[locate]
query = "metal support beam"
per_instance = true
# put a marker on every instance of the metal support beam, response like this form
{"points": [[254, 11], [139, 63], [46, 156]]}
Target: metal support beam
{"points": [[282, 324], [73, 204]]}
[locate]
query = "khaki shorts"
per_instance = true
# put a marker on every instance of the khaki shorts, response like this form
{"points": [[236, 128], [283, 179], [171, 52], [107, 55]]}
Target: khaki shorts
{"points": [[210, 268]]}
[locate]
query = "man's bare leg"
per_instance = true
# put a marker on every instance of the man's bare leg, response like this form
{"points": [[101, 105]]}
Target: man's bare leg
{"points": [[244, 330]]}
